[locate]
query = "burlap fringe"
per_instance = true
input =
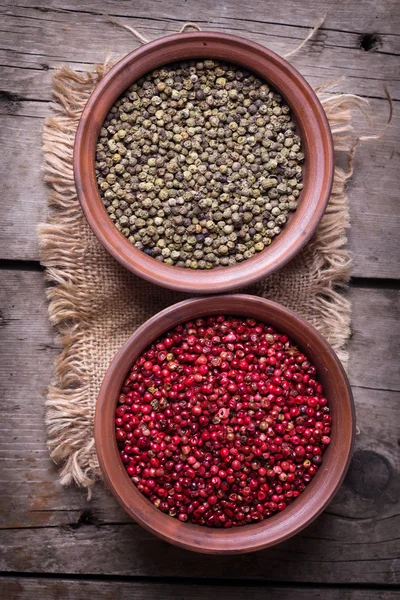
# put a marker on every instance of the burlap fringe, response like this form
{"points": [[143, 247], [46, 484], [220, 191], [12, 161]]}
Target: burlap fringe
{"points": [[69, 415], [69, 412], [331, 309]]}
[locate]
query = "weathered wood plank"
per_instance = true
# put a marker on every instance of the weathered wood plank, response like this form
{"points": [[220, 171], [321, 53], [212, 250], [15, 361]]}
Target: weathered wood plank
{"points": [[40, 501], [33, 497], [26, 332], [374, 346], [366, 17], [356, 536], [330, 55], [317, 555], [373, 193], [22, 588], [24, 192]]}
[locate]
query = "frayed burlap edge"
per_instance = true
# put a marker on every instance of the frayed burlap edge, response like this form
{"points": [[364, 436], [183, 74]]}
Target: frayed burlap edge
{"points": [[70, 407], [69, 414]]}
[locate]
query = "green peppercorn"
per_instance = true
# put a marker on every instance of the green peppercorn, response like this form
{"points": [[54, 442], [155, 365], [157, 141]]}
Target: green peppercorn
{"points": [[199, 164]]}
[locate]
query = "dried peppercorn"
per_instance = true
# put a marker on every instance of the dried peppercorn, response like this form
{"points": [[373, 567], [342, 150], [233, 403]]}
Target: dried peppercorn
{"points": [[199, 151], [222, 422]]}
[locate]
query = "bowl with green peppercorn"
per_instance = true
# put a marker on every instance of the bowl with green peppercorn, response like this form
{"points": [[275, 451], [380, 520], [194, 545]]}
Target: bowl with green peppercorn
{"points": [[203, 162]]}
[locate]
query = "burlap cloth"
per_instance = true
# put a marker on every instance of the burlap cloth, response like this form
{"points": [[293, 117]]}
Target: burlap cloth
{"points": [[95, 304]]}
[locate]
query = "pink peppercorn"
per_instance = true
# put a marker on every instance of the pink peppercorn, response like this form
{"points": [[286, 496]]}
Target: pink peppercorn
{"points": [[222, 422]]}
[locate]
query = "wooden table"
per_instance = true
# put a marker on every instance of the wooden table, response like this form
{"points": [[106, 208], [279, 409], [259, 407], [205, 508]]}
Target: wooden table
{"points": [[55, 544]]}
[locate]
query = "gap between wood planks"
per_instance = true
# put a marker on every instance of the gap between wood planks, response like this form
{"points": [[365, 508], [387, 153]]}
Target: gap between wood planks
{"points": [[356, 282], [201, 582]]}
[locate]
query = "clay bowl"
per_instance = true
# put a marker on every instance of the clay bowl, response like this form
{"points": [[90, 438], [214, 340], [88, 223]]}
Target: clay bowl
{"points": [[311, 123], [306, 507]]}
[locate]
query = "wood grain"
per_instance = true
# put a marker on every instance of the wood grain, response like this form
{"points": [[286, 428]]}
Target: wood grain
{"points": [[14, 588], [35, 43], [354, 540], [373, 193], [374, 343], [332, 53], [52, 530], [320, 554], [33, 497]]}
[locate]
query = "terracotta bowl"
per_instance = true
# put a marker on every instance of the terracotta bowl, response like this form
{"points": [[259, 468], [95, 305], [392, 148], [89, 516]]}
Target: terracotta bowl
{"points": [[306, 507], [311, 123]]}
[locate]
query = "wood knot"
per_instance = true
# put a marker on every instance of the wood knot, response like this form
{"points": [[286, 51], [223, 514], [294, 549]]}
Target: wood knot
{"points": [[369, 474], [369, 41], [9, 103], [87, 517]]}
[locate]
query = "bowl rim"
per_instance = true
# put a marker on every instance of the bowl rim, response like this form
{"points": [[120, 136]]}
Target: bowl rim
{"points": [[281, 526], [308, 113]]}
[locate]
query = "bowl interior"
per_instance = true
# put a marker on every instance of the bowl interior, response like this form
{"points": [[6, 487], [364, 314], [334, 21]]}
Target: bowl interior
{"points": [[316, 495], [311, 122]]}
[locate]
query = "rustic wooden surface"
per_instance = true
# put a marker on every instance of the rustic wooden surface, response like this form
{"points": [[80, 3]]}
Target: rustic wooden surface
{"points": [[54, 589], [53, 543]]}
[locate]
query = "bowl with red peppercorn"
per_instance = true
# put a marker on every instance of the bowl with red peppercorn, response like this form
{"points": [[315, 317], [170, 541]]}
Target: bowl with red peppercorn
{"points": [[225, 424], [241, 227]]}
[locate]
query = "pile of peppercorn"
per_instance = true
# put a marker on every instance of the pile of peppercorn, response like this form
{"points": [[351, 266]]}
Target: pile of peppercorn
{"points": [[222, 422], [199, 164]]}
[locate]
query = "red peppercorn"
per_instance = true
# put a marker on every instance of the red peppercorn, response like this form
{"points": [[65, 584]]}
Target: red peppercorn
{"points": [[215, 409]]}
